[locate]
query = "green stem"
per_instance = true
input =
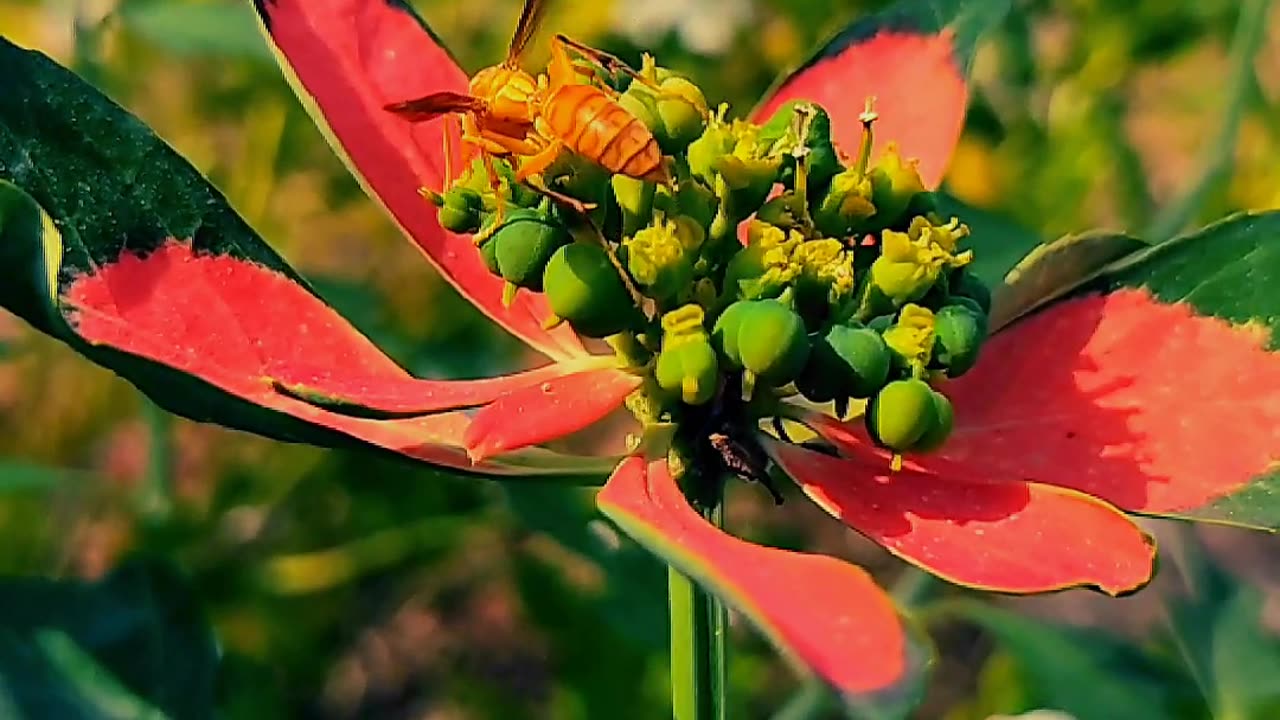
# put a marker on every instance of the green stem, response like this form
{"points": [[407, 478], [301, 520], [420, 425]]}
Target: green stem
{"points": [[698, 628], [155, 495], [1249, 33]]}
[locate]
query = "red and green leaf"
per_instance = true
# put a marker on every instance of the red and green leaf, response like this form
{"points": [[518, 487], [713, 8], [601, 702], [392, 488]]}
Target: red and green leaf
{"points": [[913, 58], [117, 246], [828, 617], [347, 60], [991, 533], [1156, 386]]}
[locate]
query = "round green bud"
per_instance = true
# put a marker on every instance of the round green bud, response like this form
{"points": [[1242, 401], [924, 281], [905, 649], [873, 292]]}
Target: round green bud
{"points": [[524, 244], [689, 368], [940, 430], [489, 254], [859, 358], [584, 288], [724, 334], [958, 335], [772, 342], [639, 101], [460, 211], [901, 413], [682, 108]]}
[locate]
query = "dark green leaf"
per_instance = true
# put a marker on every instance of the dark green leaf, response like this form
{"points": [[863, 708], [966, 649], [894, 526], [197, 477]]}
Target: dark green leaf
{"points": [[1087, 673], [134, 645]]}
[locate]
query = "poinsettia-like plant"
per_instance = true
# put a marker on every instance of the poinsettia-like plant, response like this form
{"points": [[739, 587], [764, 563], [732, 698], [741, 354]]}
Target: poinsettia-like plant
{"points": [[782, 295]]}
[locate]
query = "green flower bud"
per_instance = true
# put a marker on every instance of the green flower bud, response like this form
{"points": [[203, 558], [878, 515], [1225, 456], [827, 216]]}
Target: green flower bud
{"points": [[911, 263], [584, 288], [764, 267], [825, 280], [689, 369], [635, 199], [772, 343], [687, 364], [749, 171], [895, 183], [460, 209], [902, 413], [724, 334], [845, 206], [715, 142], [940, 429], [489, 254], [524, 244], [659, 260], [959, 333], [912, 337], [846, 361], [675, 110], [780, 134]]}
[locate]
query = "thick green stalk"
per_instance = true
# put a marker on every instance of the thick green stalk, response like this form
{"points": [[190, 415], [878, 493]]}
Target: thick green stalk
{"points": [[699, 625]]}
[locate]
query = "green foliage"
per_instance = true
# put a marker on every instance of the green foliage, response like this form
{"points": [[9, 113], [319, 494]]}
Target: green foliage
{"points": [[132, 645]]}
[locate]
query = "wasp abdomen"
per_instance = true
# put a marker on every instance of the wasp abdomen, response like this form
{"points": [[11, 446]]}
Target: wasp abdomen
{"points": [[592, 125]]}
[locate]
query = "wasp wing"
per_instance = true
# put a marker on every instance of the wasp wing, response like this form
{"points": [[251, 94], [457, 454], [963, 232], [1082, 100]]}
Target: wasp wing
{"points": [[436, 104], [530, 19]]}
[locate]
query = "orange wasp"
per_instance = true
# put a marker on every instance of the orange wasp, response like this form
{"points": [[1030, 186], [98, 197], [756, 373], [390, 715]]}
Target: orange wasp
{"points": [[507, 112]]}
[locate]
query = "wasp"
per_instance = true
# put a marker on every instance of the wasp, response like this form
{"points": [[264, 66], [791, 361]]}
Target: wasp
{"points": [[507, 112]]}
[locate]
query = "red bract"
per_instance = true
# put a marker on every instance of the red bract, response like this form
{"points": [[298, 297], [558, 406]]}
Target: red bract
{"points": [[352, 57]]}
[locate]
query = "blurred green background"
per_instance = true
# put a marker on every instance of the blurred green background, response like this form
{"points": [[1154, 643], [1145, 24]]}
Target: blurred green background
{"points": [[342, 586]]}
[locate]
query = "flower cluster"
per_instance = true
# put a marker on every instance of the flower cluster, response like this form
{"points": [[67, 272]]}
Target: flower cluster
{"points": [[769, 263]]}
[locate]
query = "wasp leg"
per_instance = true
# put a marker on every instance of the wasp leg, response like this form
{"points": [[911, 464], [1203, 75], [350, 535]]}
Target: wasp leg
{"points": [[499, 201], [573, 203]]}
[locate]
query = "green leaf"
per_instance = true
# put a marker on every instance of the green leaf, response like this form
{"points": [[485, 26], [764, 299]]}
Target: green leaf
{"points": [[117, 246], [134, 645], [1217, 629], [1058, 663], [216, 28], [634, 598], [1055, 269], [998, 243], [19, 476]]}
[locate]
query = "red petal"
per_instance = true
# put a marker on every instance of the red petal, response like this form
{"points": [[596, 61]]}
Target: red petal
{"points": [[348, 59], [380, 396], [1142, 403], [919, 90], [550, 410], [231, 323], [825, 615], [1008, 536]]}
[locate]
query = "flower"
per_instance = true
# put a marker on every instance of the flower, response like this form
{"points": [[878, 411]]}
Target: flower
{"points": [[1017, 500]]}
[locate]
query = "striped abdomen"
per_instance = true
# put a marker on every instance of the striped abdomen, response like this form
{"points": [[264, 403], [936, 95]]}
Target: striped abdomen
{"points": [[592, 125]]}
